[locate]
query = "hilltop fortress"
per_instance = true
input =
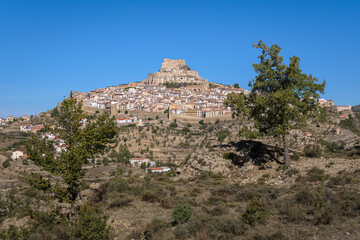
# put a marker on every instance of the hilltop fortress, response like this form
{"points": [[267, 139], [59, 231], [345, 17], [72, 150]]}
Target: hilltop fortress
{"points": [[174, 71]]}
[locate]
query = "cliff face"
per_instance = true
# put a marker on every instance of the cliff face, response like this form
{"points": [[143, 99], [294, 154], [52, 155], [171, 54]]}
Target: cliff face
{"points": [[174, 70]]}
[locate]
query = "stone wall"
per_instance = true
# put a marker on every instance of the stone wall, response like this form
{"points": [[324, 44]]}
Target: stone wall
{"points": [[92, 110], [170, 64]]}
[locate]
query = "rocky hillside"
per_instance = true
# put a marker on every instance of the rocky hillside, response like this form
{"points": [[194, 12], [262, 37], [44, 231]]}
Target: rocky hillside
{"points": [[220, 186]]}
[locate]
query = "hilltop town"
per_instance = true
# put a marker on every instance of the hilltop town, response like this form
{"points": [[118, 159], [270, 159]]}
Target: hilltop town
{"points": [[175, 88]]}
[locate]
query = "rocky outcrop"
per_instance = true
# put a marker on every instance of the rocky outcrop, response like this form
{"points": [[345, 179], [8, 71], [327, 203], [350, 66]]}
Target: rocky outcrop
{"points": [[204, 161]]}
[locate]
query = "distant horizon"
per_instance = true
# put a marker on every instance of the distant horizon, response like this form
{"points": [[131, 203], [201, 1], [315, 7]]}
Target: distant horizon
{"points": [[49, 48]]}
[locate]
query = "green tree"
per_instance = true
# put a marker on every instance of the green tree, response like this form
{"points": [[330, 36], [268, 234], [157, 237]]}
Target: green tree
{"points": [[124, 154], [222, 134], [91, 224], [173, 125], [181, 213], [81, 142], [54, 112], [236, 85], [6, 163], [281, 97]]}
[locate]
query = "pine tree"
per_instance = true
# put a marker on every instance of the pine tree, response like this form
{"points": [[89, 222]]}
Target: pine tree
{"points": [[81, 140], [281, 97]]}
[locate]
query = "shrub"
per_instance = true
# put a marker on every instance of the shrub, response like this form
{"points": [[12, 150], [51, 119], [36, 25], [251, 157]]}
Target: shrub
{"points": [[349, 204], [181, 232], [121, 201], [167, 203], [216, 211], [255, 212], [181, 213], [341, 179], [248, 192], [153, 230], [312, 150], [316, 174], [305, 197], [119, 185], [37, 181], [203, 226], [186, 130], [105, 161], [134, 235], [15, 233], [295, 156], [173, 125], [291, 172], [307, 204], [215, 200], [150, 197], [221, 135], [274, 236], [232, 226], [235, 159], [6, 163], [91, 224]]}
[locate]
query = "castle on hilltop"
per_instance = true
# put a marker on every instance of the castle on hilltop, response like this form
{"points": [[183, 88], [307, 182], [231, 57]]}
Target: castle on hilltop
{"points": [[174, 71]]}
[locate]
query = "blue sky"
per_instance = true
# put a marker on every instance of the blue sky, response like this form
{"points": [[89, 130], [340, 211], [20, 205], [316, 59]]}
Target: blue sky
{"points": [[48, 48]]}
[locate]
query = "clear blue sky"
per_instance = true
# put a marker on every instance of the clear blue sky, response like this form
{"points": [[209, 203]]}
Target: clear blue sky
{"points": [[48, 48]]}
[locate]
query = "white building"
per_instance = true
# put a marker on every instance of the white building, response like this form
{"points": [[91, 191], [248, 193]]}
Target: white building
{"points": [[48, 136], [159, 169], [126, 120], [60, 148], [138, 161], [17, 154], [25, 127], [343, 108]]}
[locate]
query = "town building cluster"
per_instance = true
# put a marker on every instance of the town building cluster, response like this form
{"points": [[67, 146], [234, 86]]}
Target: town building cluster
{"points": [[191, 100]]}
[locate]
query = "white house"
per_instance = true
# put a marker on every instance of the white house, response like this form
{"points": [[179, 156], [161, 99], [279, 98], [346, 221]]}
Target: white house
{"points": [[25, 127], [60, 148], [159, 169], [343, 108], [49, 136], [126, 120], [17, 154], [10, 118], [138, 161]]}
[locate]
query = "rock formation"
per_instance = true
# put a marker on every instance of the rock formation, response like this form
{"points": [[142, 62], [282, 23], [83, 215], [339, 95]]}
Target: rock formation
{"points": [[174, 71]]}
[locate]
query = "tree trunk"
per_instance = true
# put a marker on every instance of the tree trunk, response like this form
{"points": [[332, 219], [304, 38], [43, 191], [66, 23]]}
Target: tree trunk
{"points": [[286, 151]]}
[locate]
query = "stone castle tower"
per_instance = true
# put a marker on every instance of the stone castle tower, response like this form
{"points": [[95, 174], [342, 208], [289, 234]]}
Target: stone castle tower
{"points": [[174, 70]]}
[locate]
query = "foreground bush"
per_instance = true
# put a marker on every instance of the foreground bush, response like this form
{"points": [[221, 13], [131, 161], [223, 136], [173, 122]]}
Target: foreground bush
{"points": [[181, 213]]}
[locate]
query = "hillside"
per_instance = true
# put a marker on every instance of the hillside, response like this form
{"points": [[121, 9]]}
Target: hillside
{"points": [[220, 186]]}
